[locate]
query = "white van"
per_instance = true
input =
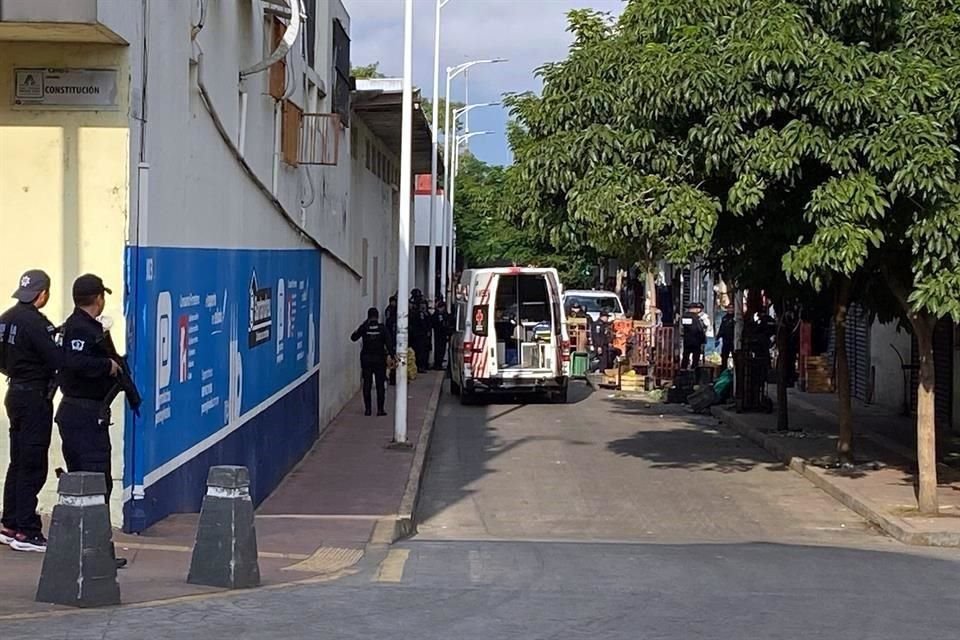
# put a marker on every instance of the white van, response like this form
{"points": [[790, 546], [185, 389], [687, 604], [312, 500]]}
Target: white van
{"points": [[594, 302], [511, 334]]}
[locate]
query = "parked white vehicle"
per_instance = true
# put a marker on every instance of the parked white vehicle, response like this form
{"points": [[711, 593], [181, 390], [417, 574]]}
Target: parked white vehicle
{"points": [[510, 333], [593, 302]]}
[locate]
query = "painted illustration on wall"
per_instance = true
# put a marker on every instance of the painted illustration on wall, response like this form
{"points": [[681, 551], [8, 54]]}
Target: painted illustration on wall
{"points": [[220, 336]]}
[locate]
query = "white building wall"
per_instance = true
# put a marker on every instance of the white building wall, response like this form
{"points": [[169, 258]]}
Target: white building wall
{"points": [[885, 364]]}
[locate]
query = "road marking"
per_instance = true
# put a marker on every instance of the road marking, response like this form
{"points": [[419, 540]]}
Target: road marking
{"points": [[326, 560], [391, 569], [476, 566]]}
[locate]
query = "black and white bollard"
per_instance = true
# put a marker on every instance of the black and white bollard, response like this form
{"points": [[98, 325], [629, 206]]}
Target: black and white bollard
{"points": [[225, 554], [79, 567]]}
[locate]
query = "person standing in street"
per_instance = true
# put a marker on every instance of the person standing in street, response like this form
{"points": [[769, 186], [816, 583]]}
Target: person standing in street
{"points": [[374, 350], [390, 320], [694, 336], [420, 330], [87, 376], [726, 335], [601, 336], [29, 357], [441, 333]]}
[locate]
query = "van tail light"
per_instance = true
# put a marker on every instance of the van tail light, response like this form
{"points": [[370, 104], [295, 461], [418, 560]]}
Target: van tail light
{"points": [[565, 350], [467, 353]]}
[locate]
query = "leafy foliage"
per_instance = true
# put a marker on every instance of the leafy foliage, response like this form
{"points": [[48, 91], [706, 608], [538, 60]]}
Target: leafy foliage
{"points": [[487, 236]]}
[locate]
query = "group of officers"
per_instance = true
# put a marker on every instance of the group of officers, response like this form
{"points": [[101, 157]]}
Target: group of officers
{"points": [[429, 330], [38, 358]]}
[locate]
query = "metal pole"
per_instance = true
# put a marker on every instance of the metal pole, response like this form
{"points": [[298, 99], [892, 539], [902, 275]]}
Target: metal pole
{"points": [[446, 182], [453, 193], [403, 262], [432, 268]]}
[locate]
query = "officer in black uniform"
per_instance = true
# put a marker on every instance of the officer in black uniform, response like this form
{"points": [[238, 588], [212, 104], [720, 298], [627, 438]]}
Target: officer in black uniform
{"points": [[86, 378], [694, 336], [373, 358], [441, 333], [390, 320], [29, 356], [420, 330]]}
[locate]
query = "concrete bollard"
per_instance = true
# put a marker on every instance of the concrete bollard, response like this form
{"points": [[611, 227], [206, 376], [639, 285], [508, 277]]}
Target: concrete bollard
{"points": [[225, 554], [79, 567]]}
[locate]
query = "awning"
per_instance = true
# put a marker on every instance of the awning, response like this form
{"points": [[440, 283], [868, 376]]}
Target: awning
{"points": [[379, 103]]}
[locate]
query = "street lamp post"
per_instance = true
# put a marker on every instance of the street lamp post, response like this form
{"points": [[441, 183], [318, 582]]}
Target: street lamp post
{"points": [[432, 268], [403, 262], [453, 72], [448, 255]]}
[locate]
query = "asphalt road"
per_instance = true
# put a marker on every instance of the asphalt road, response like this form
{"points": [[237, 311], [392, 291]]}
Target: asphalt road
{"points": [[599, 519]]}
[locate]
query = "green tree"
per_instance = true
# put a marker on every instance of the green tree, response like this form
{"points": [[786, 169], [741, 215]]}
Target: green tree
{"points": [[487, 236], [367, 71]]}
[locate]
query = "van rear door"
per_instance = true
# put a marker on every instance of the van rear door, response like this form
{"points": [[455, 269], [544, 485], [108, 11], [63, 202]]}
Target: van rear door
{"points": [[483, 363]]}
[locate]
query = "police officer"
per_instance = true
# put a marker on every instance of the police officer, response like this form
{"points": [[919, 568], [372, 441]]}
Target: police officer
{"points": [[29, 356], [373, 358], [726, 335], [694, 336], [441, 333], [601, 337], [420, 330], [86, 378], [390, 320]]}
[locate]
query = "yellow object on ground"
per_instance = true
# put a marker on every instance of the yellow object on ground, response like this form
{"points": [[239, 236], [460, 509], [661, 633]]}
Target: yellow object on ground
{"points": [[411, 365]]}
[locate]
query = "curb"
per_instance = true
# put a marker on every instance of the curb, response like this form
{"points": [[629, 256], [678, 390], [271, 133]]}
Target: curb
{"points": [[403, 525], [897, 528]]}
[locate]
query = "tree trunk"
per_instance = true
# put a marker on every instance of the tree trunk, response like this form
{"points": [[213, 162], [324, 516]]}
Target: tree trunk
{"points": [[927, 501], [783, 338], [651, 295], [845, 435]]}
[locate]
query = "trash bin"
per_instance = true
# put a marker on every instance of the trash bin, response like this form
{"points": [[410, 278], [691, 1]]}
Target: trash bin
{"points": [[579, 364], [751, 380]]}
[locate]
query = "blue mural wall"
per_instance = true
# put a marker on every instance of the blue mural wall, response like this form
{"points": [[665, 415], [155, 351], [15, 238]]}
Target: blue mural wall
{"points": [[225, 353]]}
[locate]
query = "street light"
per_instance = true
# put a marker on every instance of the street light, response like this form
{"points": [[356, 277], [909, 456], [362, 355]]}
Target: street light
{"points": [[432, 282], [403, 255], [448, 239], [446, 222], [453, 72]]}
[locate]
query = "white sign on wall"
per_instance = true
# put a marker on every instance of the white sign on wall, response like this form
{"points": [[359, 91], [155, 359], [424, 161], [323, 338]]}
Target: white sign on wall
{"points": [[76, 88]]}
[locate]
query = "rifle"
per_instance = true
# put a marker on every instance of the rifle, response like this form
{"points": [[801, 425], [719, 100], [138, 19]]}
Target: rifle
{"points": [[124, 383]]}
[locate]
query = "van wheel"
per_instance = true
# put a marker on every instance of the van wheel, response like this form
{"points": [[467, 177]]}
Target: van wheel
{"points": [[467, 398], [454, 387]]}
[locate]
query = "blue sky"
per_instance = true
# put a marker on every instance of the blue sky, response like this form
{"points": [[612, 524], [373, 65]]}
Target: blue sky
{"points": [[527, 32]]}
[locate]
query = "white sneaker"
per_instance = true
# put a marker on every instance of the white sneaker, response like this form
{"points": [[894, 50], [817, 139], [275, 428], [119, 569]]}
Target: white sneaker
{"points": [[36, 544], [7, 535]]}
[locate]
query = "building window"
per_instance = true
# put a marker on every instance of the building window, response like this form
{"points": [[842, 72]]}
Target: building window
{"points": [[278, 70], [310, 8], [341, 73], [290, 133]]}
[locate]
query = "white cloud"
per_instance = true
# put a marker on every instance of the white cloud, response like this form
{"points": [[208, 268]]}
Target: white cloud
{"points": [[527, 32]]}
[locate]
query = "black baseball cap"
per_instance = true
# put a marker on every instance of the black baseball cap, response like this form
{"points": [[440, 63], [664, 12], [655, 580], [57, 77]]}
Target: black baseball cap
{"points": [[32, 284], [88, 285]]}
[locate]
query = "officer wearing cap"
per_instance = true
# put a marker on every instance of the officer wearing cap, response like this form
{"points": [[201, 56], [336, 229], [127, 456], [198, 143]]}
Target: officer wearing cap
{"points": [[86, 378], [29, 357]]}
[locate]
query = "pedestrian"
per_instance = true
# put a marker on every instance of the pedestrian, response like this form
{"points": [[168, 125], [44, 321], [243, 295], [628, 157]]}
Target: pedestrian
{"points": [[375, 348], [441, 333], [694, 336], [29, 357], [726, 335], [390, 321], [602, 340], [87, 376], [420, 331]]}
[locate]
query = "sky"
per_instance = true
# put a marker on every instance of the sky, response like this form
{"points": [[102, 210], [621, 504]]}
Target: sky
{"points": [[526, 32]]}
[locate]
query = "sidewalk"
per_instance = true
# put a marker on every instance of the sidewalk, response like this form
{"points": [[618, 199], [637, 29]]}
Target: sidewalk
{"points": [[349, 492], [881, 487]]}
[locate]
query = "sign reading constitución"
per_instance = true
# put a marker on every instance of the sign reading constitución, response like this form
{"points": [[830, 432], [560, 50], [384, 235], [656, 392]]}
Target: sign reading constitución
{"points": [[78, 88]]}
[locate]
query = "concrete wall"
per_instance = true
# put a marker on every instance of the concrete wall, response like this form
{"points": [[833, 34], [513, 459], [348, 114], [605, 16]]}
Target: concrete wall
{"points": [[64, 200], [885, 365]]}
